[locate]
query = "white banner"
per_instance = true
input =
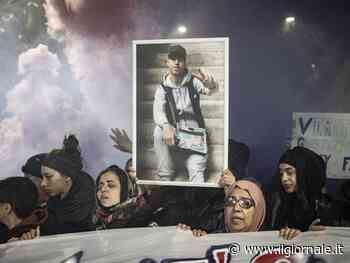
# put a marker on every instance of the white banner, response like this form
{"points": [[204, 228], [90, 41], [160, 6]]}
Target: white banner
{"points": [[328, 134], [164, 243]]}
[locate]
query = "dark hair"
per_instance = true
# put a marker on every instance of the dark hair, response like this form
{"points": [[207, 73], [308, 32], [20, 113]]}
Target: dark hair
{"points": [[123, 178], [310, 171], [127, 164], [67, 160], [33, 165], [21, 193], [176, 51], [300, 207], [238, 158]]}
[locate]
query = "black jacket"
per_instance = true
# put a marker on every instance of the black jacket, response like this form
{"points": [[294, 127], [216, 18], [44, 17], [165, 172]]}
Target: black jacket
{"points": [[74, 212]]}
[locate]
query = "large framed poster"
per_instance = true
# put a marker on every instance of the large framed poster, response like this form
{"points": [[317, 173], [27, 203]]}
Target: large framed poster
{"points": [[180, 111]]}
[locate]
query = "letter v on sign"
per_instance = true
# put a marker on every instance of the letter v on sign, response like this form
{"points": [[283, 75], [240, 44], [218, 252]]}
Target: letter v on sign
{"points": [[303, 126]]}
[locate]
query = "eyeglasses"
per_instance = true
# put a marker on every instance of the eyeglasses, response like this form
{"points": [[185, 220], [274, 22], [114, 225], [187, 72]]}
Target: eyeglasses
{"points": [[243, 202]]}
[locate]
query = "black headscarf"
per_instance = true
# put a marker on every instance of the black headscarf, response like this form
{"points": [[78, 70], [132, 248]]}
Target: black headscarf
{"points": [[310, 170], [124, 183], [298, 209]]}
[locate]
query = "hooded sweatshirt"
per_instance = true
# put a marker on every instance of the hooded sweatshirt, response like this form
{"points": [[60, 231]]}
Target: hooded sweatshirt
{"points": [[181, 94], [74, 212]]}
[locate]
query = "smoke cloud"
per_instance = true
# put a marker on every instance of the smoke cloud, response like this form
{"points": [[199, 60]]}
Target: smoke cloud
{"points": [[45, 105], [38, 110]]}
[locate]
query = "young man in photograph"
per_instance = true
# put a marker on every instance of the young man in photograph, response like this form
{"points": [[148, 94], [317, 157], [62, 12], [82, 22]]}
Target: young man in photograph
{"points": [[177, 108]]}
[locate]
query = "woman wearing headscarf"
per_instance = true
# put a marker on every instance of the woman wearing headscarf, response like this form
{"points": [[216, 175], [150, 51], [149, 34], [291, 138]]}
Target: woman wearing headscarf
{"points": [[244, 209], [117, 204], [298, 182], [71, 191]]}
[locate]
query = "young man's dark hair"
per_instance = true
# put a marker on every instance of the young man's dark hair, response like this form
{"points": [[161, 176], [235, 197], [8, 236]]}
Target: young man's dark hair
{"points": [[176, 52], [20, 193], [18, 200]]}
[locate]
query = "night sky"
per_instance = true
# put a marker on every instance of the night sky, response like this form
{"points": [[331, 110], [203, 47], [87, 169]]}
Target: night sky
{"points": [[274, 71]]}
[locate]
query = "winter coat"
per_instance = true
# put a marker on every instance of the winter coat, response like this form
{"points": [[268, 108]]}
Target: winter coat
{"points": [[74, 212]]}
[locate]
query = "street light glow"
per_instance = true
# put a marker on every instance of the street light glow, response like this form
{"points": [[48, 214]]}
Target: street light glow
{"points": [[182, 29], [290, 19]]}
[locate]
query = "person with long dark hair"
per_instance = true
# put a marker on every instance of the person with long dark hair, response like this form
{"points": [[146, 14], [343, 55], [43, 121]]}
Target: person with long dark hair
{"points": [[71, 191], [298, 183]]}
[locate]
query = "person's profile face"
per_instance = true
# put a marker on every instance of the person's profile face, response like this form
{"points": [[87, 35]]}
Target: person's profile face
{"points": [[4, 212], [241, 210], [176, 66], [43, 196], [288, 177], [108, 189], [53, 182]]}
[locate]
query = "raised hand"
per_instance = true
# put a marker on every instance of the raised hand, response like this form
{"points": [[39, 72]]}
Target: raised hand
{"points": [[227, 180], [121, 140], [206, 78]]}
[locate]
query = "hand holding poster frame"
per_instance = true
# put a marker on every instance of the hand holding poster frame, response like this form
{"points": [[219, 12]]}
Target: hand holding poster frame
{"points": [[180, 110]]}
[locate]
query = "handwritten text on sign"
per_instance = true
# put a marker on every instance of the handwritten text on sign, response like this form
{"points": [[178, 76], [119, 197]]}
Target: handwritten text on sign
{"points": [[328, 134]]}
